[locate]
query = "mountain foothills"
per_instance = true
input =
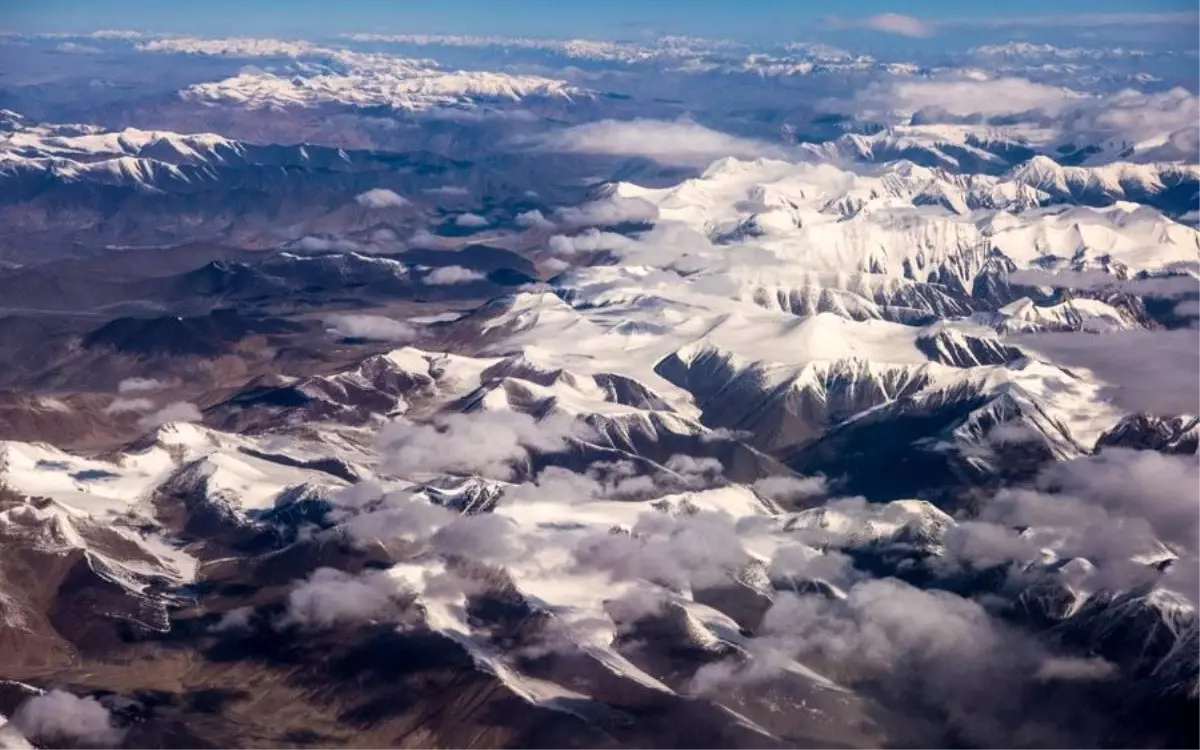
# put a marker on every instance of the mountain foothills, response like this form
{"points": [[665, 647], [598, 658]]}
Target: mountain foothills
{"points": [[672, 393]]}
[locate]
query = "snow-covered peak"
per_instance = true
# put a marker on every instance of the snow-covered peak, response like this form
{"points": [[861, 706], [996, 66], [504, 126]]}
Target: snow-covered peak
{"points": [[367, 80], [1031, 51]]}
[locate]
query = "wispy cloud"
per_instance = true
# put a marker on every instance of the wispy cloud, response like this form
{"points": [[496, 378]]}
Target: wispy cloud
{"points": [[371, 327], [1074, 20], [911, 26], [452, 275], [888, 23], [178, 411], [680, 142], [381, 198]]}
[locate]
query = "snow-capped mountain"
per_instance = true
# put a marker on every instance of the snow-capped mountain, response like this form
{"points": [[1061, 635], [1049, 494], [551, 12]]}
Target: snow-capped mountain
{"points": [[403, 85], [344, 77], [1025, 159], [558, 431]]}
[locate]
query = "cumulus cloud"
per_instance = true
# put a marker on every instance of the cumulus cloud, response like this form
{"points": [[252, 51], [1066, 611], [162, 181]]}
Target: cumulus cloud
{"points": [[703, 466], [1146, 371], [937, 658], [800, 562], [1137, 116], [1162, 489], [423, 238], [608, 212], [1007, 433], [11, 737], [237, 619], [1172, 285], [330, 597], [618, 480], [789, 489], [1061, 668], [693, 549], [176, 411], [486, 537], [371, 516], [470, 220], [313, 244], [369, 327], [125, 34], [1188, 308], [1074, 20], [589, 240], [1163, 125], [1113, 509], [448, 191], [668, 142], [487, 443], [58, 717], [447, 275], [558, 265], [124, 405], [74, 48], [888, 23], [963, 96], [140, 385], [533, 219], [381, 198]]}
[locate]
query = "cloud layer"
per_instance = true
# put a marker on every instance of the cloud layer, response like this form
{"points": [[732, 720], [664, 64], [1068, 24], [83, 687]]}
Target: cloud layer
{"points": [[369, 327], [679, 142]]}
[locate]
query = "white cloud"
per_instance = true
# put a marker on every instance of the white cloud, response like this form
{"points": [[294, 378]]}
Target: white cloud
{"points": [[370, 327], [79, 49], [608, 212], [11, 737], [1168, 117], [381, 198], [423, 238], [1162, 125], [1075, 669], [372, 516], [698, 550], [452, 275], [60, 718], [789, 489], [235, 47], [139, 385], [1188, 308], [237, 619], [118, 34], [1154, 286], [178, 411], [312, 243], [122, 405], [384, 236], [449, 191], [329, 597], [1076, 20], [965, 96], [680, 142], [533, 219], [485, 443], [1150, 371], [888, 23], [558, 265], [487, 537], [473, 221], [590, 240]]}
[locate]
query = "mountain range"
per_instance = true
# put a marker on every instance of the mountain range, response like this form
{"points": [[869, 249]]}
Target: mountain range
{"points": [[549, 427]]}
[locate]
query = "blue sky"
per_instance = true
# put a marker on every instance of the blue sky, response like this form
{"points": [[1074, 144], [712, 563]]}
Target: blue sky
{"points": [[750, 20]]}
